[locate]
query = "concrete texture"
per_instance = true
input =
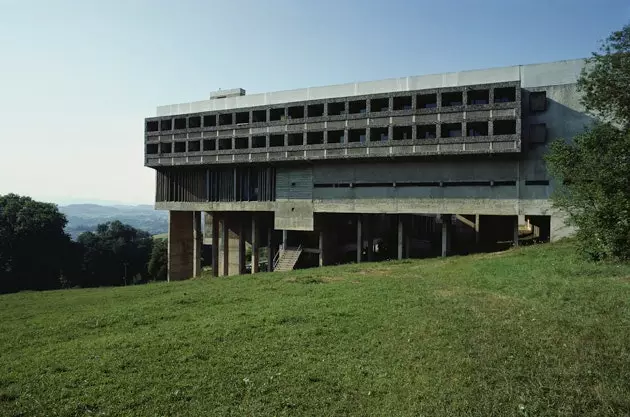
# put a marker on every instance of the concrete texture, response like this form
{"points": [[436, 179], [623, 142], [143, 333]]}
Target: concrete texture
{"points": [[181, 243]]}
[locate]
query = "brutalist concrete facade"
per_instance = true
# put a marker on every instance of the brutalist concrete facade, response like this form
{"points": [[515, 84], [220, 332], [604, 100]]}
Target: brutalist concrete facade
{"points": [[445, 146]]}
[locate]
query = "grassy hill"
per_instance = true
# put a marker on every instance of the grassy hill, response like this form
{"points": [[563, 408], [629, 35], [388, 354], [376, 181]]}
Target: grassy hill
{"points": [[528, 332]]}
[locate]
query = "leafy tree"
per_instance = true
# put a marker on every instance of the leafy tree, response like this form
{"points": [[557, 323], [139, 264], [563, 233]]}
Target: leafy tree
{"points": [[115, 254], [593, 170], [33, 244], [159, 260]]}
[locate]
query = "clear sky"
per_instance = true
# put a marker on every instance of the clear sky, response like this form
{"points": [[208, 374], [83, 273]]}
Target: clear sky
{"points": [[77, 78]]}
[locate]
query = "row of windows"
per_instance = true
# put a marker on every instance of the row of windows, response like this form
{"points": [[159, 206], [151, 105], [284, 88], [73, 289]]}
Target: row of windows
{"points": [[376, 105], [377, 134]]}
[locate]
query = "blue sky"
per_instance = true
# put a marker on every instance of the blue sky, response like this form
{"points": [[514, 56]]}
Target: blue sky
{"points": [[78, 77]]}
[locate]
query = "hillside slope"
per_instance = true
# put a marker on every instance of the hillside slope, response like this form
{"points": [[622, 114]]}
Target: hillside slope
{"points": [[533, 331]]}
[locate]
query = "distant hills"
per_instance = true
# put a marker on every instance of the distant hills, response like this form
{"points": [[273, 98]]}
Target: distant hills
{"points": [[85, 217]]}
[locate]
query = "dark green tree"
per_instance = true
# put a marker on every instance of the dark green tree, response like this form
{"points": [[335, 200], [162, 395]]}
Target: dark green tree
{"points": [[159, 260], [593, 171], [33, 245]]}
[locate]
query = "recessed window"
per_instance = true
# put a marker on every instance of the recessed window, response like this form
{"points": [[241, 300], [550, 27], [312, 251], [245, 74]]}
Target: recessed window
{"points": [[153, 126], [225, 119], [277, 114], [426, 101], [426, 131], [276, 141], [357, 106], [315, 110], [209, 144], [451, 130], [225, 144], [315, 138], [504, 95], [379, 105], [259, 142], [504, 127], [259, 116], [478, 97], [194, 122], [241, 143], [166, 147], [402, 103], [452, 99], [180, 123], [378, 134], [403, 132], [356, 135], [336, 109], [537, 101], [210, 120], [180, 147], [477, 128], [335, 136], [242, 117], [152, 148], [296, 139], [166, 124], [194, 146], [296, 112]]}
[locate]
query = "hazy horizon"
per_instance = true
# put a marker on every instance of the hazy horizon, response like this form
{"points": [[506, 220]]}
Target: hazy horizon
{"points": [[80, 77]]}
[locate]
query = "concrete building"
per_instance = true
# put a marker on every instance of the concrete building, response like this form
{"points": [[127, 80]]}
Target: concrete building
{"points": [[406, 167]]}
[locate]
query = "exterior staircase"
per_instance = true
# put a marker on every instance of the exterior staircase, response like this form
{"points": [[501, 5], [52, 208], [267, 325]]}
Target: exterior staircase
{"points": [[286, 259]]}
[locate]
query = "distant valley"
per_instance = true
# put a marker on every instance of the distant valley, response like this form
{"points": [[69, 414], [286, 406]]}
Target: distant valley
{"points": [[85, 217]]}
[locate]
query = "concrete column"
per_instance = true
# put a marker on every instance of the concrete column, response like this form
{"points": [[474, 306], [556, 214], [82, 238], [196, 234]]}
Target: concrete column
{"points": [[197, 243], [270, 251], [400, 237], [407, 246], [446, 234], [285, 238], [359, 238], [180, 245], [241, 247], [225, 246], [515, 231], [255, 244], [321, 248], [215, 244], [477, 229], [370, 241]]}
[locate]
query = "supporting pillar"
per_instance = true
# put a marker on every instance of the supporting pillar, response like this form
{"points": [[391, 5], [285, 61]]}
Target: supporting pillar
{"points": [[270, 254], [370, 241], [359, 238], [321, 247], [515, 231], [197, 243], [285, 238], [180, 245], [446, 234], [215, 244], [255, 245], [241, 247], [225, 246], [400, 237], [477, 229]]}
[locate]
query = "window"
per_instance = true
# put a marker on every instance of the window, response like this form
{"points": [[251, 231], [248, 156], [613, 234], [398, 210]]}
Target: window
{"points": [[276, 140], [478, 97], [356, 135], [242, 117], [477, 128], [152, 148], [378, 134], [194, 146], [276, 114], [209, 144], [379, 104], [504, 127], [537, 101], [259, 142], [296, 112], [210, 120], [358, 106], [451, 130], [180, 123], [452, 99], [336, 109], [166, 147], [296, 139], [402, 132], [426, 101], [426, 131], [335, 136], [180, 147], [402, 103], [241, 143], [504, 95], [315, 138], [152, 126], [225, 119], [259, 116], [225, 144], [315, 110], [166, 124]]}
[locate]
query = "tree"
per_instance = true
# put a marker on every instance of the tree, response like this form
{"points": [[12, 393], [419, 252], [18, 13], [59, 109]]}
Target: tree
{"points": [[159, 260], [33, 244], [115, 254], [593, 171]]}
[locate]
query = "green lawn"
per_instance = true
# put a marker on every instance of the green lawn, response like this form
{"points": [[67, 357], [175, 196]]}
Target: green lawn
{"points": [[529, 332]]}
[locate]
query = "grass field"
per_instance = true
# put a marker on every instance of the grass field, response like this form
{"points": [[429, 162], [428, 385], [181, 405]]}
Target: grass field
{"points": [[528, 332]]}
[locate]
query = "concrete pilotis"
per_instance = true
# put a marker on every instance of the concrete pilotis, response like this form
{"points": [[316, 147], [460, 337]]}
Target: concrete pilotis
{"points": [[215, 244], [285, 238], [370, 240], [477, 228], [241, 247], [197, 243], [225, 246], [180, 245], [446, 234], [270, 251], [400, 237], [359, 238], [321, 248], [255, 244], [515, 231]]}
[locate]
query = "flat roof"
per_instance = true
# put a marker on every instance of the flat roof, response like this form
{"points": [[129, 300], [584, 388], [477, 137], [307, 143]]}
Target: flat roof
{"points": [[532, 75]]}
